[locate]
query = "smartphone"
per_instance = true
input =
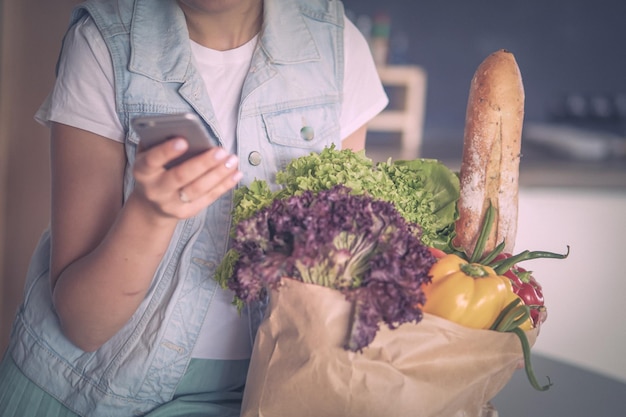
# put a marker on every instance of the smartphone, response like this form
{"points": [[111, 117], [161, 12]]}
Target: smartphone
{"points": [[153, 130]]}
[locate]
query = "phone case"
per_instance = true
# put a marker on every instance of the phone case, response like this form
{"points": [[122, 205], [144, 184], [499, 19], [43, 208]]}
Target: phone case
{"points": [[153, 130]]}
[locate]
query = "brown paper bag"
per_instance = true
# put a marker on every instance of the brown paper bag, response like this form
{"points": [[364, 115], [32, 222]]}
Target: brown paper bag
{"points": [[435, 368]]}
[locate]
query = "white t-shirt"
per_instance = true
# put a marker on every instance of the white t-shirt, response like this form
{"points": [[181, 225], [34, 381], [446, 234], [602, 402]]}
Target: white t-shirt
{"points": [[84, 97]]}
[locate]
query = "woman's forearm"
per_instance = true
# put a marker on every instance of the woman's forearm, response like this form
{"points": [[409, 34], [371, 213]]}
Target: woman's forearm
{"points": [[96, 295]]}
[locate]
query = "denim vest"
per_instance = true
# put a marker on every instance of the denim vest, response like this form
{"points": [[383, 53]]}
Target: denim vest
{"points": [[295, 81]]}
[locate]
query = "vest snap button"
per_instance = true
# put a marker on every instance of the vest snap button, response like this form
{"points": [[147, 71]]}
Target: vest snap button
{"points": [[254, 158], [307, 133]]}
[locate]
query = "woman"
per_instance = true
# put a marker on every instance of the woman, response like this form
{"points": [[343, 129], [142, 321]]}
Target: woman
{"points": [[122, 314]]}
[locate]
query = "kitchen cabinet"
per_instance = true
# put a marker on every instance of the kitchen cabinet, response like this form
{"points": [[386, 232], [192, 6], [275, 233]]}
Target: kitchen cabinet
{"points": [[584, 293]]}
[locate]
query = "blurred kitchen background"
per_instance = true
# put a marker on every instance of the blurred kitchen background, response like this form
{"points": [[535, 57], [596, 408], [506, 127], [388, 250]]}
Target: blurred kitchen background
{"points": [[573, 171], [569, 56]]}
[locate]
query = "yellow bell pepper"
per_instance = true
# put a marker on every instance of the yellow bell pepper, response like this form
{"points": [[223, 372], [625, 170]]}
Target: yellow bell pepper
{"points": [[469, 294]]}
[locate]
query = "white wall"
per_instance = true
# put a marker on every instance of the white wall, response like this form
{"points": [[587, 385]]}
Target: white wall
{"points": [[585, 293], [30, 34]]}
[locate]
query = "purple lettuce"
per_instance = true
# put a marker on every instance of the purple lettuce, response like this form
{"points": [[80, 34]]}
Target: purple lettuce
{"points": [[353, 243]]}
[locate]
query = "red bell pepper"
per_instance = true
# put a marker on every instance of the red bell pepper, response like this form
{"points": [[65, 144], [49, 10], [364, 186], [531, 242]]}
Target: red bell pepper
{"points": [[527, 288]]}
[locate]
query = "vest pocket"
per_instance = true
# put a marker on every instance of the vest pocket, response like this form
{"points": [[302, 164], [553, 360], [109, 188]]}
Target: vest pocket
{"points": [[310, 127]]}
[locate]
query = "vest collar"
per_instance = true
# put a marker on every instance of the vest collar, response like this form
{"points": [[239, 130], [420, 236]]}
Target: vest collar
{"points": [[155, 41], [286, 38], [158, 29]]}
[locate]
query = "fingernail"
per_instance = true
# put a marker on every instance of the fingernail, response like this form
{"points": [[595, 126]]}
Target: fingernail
{"points": [[231, 162], [180, 144], [238, 175], [220, 154]]}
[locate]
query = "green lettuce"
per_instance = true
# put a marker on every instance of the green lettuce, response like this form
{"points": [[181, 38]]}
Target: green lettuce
{"points": [[424, 191]]}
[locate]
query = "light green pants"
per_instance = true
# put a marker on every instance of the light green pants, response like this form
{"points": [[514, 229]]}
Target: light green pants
{"points": [[199, 393]]}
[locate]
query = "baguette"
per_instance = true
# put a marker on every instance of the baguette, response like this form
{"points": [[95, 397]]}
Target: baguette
{"points": [[489, 171]]}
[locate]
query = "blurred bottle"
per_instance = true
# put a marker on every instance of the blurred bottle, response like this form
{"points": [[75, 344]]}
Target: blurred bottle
{"points": [[379, 42]]}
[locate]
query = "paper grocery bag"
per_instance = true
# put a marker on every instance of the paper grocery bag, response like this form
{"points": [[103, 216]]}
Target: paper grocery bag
{"points": [[299, 366]]}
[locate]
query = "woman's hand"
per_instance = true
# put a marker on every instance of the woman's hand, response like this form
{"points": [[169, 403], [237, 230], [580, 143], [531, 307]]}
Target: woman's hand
{"points": [[185, 189]]}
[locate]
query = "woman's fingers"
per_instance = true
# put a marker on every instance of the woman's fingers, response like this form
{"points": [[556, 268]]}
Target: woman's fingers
{"points": [[213, 182], [185, 189], [154, 159], [188, 171]]}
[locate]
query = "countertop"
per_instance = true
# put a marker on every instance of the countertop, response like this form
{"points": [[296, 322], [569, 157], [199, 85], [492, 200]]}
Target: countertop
{"points": [[538, 167], [575, 392]]}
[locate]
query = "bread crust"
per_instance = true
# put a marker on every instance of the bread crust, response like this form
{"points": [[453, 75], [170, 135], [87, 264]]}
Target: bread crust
{"points": [[491, 153]]}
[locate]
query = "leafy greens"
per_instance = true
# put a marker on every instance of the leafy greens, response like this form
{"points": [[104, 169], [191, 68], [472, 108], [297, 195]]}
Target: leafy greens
{"points": [[424, 191]]}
